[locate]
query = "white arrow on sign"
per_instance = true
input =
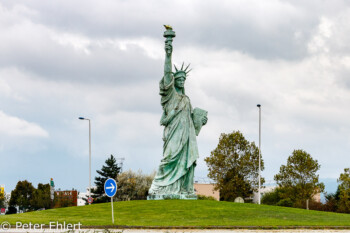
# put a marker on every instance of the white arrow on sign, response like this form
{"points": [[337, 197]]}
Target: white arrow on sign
{"points": [[111, 187]]}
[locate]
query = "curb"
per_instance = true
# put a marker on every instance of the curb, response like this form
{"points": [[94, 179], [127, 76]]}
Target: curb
{"points": [[220, 227]]}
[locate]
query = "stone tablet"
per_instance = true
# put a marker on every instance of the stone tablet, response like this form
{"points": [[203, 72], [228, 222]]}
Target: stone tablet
{"points": [[239, 200], [198, 116]]}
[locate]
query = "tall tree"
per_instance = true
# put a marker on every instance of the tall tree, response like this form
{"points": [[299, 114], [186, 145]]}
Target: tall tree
{"points": [[234, 166], [22, 195], [109, 170], [41, 197], [344, 191], [299, 179]]}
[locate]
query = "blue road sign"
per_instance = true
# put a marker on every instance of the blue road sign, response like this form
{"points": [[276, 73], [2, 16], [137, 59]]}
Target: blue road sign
{"points": [[110, 187]]}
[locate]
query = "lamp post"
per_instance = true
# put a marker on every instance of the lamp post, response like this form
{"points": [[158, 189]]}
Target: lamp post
{"points": [[82, 118], [259, 195]]}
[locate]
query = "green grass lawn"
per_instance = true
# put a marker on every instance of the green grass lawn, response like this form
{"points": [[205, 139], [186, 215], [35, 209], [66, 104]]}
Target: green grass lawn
{"points": [[183, 213]]}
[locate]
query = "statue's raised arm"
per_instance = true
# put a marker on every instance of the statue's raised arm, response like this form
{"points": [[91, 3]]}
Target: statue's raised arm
{"points": [[169, 34]]}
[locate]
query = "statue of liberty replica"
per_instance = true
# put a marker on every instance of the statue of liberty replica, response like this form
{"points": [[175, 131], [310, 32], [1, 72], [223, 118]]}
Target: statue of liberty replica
{"points": [[175, 175]]}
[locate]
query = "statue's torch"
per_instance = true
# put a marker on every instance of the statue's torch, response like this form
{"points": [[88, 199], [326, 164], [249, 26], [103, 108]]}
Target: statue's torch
{"points": [[169, 34]]}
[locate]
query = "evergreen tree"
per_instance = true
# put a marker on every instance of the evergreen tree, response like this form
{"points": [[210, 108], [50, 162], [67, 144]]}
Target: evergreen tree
{"points": [[22, 195], [332, 201], [41, 197], [109, 170]]}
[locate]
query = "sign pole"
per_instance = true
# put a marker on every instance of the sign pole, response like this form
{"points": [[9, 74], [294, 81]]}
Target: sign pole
{"points": [[110, 190], [112, 210]]}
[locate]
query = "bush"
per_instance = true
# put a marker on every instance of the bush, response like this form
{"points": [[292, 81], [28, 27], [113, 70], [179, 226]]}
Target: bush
{"points": [[203, 197], [271, 198], [133, 186], [287, 202], [274, 197], [315, 205], [11, 210]]}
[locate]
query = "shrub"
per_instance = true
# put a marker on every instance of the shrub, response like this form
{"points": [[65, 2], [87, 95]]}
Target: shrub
{"points": [[133, 186], [271, 198], [315, 205], [287, 202], [11, 210], [203, 197]]}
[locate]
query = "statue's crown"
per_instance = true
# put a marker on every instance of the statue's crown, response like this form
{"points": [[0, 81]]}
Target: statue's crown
{"points": [[182, 70]]}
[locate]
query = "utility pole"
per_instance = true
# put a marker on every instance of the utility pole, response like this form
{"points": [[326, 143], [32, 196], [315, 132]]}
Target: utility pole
{"points": [[259, 195], [82, 118]]}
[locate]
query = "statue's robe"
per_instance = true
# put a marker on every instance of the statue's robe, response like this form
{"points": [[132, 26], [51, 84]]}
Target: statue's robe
{"points": [[180, 152]]}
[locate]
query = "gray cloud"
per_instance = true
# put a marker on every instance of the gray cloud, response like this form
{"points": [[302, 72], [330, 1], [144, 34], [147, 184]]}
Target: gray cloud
{"points": [[95, 62], [274, 30], [62, 59]]}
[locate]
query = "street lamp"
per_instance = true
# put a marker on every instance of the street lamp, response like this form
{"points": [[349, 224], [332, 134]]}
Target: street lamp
{"points": [[82, 118], [259, 195]]}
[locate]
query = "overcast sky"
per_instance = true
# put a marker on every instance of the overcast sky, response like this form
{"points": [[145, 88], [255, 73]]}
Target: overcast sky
{"points": [[60, 60]]}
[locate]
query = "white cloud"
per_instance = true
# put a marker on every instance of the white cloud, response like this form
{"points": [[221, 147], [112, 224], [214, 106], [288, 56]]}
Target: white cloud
{"points": [[78, 42], [14, 126], [324, 32]]}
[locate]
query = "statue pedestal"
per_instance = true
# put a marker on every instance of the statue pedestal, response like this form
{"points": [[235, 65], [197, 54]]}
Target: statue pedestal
{"points": [[172, 196]]}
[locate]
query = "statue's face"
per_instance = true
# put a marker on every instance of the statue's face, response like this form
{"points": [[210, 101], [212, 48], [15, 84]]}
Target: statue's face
{"points": [[180, 82]]}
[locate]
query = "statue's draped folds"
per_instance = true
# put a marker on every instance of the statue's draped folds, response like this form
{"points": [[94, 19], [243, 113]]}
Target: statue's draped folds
{"points": [[180, 152]]}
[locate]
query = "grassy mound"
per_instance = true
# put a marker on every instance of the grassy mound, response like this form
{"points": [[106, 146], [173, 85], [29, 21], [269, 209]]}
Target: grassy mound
{"points": [[183, 213]]}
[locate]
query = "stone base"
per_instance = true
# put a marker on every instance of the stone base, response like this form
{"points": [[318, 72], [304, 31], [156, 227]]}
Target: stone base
{"points": [[172, 196]]}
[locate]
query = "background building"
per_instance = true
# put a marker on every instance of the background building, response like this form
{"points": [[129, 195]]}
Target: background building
{"points": [[207, 190]]}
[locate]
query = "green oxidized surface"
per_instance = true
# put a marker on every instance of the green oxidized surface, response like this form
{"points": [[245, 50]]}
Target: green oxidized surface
{"points": [[175, 176]]}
